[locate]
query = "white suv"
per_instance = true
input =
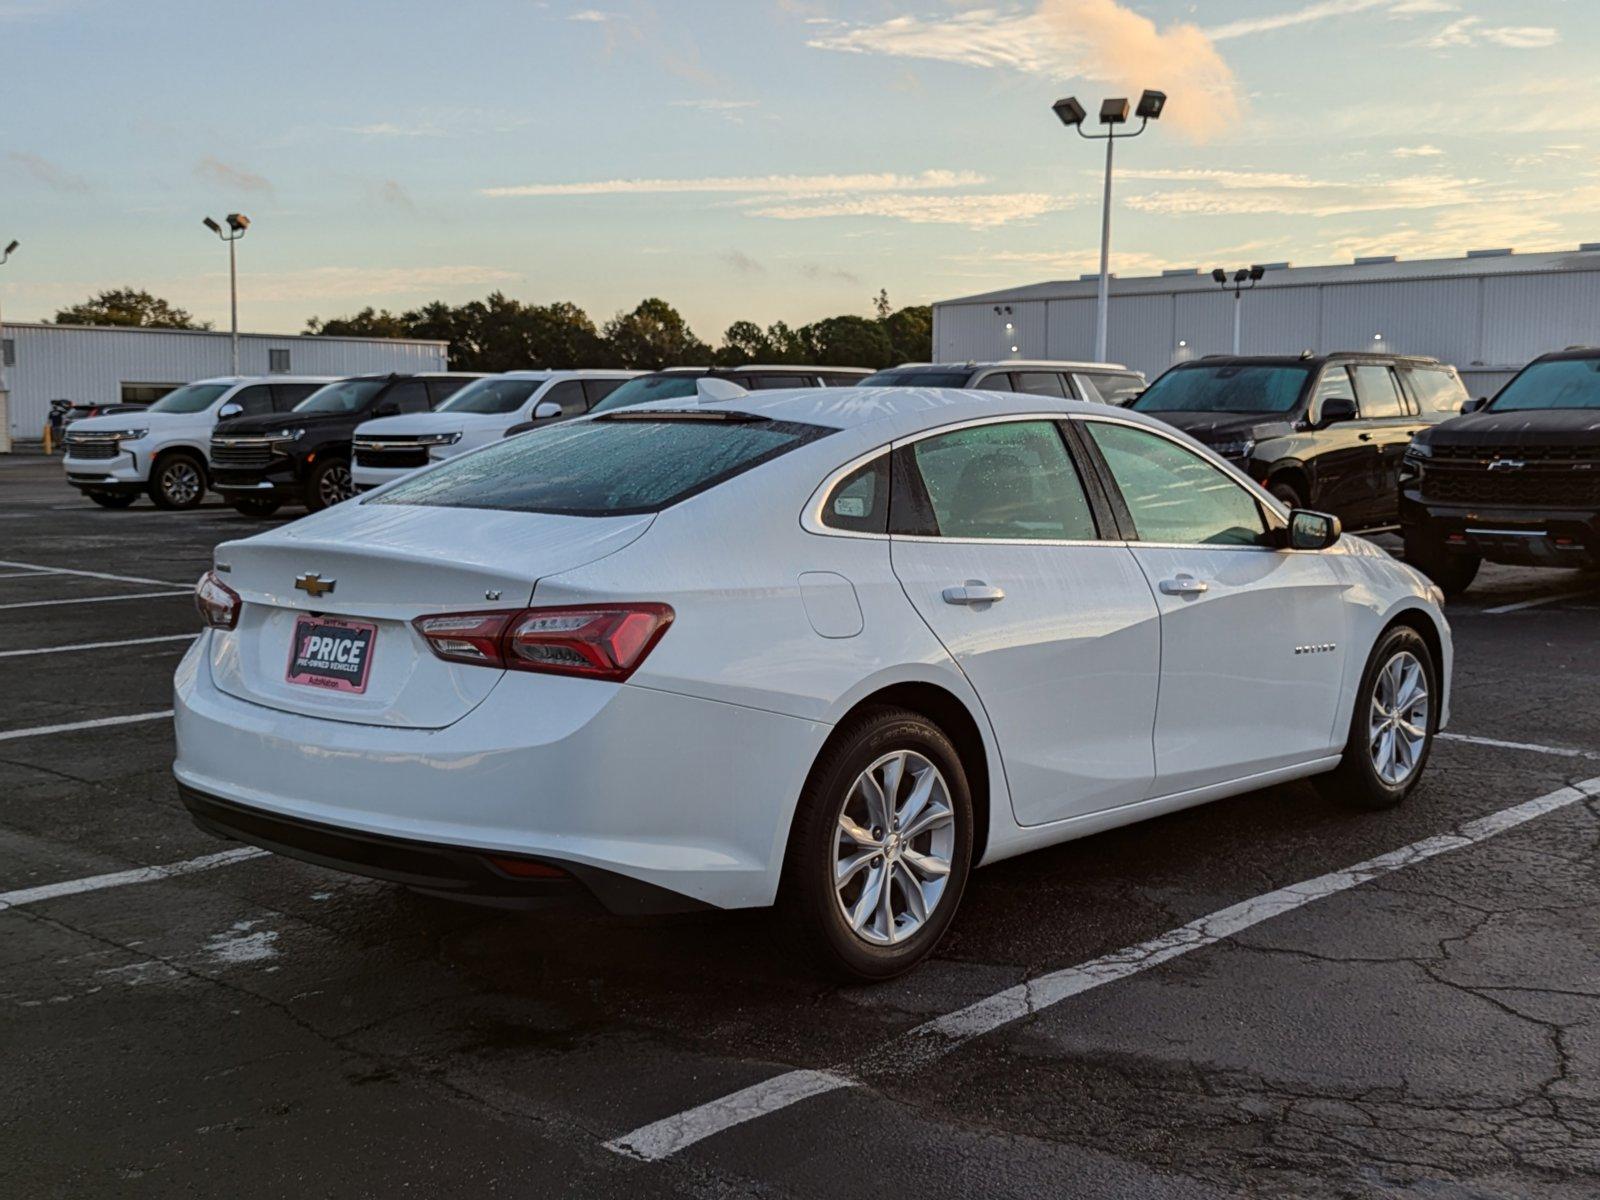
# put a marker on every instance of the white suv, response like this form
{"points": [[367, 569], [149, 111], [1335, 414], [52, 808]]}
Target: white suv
{"points": [[163, 451], [480, 413]]}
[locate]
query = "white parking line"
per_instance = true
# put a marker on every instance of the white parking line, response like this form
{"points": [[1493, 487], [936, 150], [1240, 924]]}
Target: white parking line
{"points": [[8, 735], [94, 574], [26, 574], [1533, 747], [167, 637], [1520, 605], [95, 599], [940, 1036], [95, 883]]}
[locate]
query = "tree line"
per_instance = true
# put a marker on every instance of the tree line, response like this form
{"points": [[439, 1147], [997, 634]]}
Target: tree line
{"points": [[499, 333]]}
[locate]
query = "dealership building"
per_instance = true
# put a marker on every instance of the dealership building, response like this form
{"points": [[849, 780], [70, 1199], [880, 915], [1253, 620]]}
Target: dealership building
{"points": [[1487, 313], [111, 364]]}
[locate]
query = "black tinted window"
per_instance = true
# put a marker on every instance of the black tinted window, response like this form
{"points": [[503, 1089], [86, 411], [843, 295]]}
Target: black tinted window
{"points": [[603, 467], [440, 390], [255, 400], [286, 395], [1377, 392], [407, 396], [596, 390], [569, 395], [772, 382], [1040, 383], [1554, 383], [917, 378], [860, 501], [997, 381]]}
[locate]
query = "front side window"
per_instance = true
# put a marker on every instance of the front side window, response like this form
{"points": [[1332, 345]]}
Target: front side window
{"points": [[408, 396], [256, 400], [1334, 383], [1437, 390], [191, 398], [440, 390], [1554, 383], [612, 466], [1174, 495], [286, 395], [860, 501], [1226, 387], [1040, 383], [1377, 393], [647, 388], [346, 396], [1013, 481], [492, 396]]}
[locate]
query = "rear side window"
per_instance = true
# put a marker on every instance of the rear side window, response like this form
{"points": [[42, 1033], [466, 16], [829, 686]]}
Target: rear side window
{"points": [[772, 382], [1010, 481], [999, 381], [604, 467], [1040, 383], [1437, 390], [1377, 393], [860, 501]]}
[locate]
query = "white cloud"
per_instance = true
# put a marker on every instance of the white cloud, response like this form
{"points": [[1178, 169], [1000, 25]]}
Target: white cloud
{"points": [[974, 212], [1471, 31], [1424, 151], [593, 16], [391, 129], [1265, 194], [1272, 22], [767, 185], [715, 106]]}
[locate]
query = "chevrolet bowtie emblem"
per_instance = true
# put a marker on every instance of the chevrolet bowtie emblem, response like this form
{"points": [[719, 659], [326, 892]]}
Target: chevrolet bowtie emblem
{"points": [[314, 584], [1507, 464]]}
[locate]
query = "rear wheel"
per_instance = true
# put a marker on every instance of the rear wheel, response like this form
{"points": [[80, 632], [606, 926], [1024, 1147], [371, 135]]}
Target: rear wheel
{"points": [[1392, 729], [1453, 573], [112, 499], [178, 482], [881, 847], [330, 483], [255, 508]]}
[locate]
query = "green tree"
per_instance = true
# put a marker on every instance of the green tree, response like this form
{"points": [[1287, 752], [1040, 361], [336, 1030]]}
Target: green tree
{"points": [[128, 306], [366, 323], [744, 342], [653, 336], [849, 341], [911, 333]]}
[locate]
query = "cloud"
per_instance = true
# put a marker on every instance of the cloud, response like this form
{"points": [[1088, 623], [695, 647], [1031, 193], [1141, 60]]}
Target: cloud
{"points": [[829, 274], [716, 106], [742, 263], [237, 179], [770, 185], [391, 193], [594, 16], [1471, 31], [1293, 195], [390, 129], [1272, 22], [54, 177], [1416, 152], [975, 212]]}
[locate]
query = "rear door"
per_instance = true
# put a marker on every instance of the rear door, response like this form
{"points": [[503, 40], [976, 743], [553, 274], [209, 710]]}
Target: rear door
{"points": [[1388, 424], [1000, 549], [1342, 463]]}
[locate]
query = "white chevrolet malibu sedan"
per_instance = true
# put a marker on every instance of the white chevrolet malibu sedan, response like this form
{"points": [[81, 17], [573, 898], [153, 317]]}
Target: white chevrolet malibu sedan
{"points": [[827, 649]]}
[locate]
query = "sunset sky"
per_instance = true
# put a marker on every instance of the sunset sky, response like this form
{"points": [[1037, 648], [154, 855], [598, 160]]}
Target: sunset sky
{"points": [[768, 159]]}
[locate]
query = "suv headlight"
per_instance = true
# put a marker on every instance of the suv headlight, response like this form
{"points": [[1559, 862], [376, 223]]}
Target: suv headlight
{"points": [[130, 435], [1419, 450], [287, 435], [1239, 449], [438, 439]]}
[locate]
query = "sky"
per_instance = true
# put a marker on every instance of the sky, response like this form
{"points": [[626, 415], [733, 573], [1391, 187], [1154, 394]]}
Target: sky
{"points": [[765, 159]]}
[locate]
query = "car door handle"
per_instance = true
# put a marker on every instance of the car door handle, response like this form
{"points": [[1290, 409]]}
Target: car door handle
{"points": [[1184, 585], [1365, 437], [974, 591]]}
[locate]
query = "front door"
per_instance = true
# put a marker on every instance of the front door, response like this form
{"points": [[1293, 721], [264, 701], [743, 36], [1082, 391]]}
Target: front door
{"points": [[1252, 637], [1343, 463], [1056, 629], [1388, 426]]}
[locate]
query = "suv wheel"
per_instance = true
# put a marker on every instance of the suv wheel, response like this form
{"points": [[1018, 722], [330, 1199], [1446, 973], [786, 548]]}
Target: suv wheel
{"points": [[1453, 572], [330, 483], [178, 482], [880, 848]]}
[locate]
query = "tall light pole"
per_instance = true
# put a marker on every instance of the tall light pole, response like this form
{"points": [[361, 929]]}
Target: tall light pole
{"points": [[1244, 275], [5, 392], [237, 224], [1113, 114]]}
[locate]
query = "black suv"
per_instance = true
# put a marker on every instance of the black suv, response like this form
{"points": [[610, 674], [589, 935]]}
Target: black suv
{"points": [[1516, 480], [303, 456], [1325, 432]]}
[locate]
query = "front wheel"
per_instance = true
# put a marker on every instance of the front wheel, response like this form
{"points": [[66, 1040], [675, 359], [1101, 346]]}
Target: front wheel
{"points": [[178, 482], [1392, 729], [329, 484], [881, 847]]}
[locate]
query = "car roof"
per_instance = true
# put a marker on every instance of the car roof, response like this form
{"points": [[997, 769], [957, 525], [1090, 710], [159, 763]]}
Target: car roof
{"points": [[233, 380], [750, 368], [1306, 358], [1027, 364]]}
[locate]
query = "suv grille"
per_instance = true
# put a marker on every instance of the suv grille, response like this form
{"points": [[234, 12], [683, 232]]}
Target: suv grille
{"points": [[1565, 453], [1540, 484], [240, 454], [390, 453], [77, 449]]}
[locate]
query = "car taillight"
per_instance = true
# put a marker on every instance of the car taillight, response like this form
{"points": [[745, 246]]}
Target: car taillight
{"points": [[217, 603], [596, 641]]}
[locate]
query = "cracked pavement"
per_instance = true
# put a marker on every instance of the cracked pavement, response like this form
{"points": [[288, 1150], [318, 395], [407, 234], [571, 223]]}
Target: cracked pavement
{"points": [[270, 1029]]}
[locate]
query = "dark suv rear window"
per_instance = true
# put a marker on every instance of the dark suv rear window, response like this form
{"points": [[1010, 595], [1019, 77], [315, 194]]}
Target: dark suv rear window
{"points": [[611, 466]]}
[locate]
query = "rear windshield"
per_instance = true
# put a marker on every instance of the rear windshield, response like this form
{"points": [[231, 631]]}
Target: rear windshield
{"points": [[492, 396], [1558, 383], [346, 396], [1226, 388], [191, 398], [898, 378], [602, 468], [648, 388]]}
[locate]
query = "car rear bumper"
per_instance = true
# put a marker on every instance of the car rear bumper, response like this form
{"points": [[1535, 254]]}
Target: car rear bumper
{"points": [[681, 795], [1553, 537]]}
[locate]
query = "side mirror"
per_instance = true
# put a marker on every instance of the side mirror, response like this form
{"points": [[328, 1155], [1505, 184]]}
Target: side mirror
{"points": [[545, 410], [1312, 530], [230, 409], [1336, 409], [1472, 406]]}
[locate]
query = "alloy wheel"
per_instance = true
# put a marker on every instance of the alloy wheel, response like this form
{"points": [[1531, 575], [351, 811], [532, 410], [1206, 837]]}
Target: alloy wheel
{"points": [[893, 848], [180, 483], [336, 485], [1398, 725]]}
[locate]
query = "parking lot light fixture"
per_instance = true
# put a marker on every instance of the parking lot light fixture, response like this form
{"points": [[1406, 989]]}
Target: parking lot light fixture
{"points": [[1114, 117], [5, 396], [237, 224], [1241, 281]]}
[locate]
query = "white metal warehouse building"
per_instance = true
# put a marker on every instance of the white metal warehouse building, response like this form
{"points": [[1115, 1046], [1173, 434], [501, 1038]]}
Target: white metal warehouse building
{"points": [[108, 364], [1487, 314]]}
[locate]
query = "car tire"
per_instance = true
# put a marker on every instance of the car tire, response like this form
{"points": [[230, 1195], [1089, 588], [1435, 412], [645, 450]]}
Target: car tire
{"points": [[329, 483], [1453, 573], [830, 878], [1381, 766], [112, 499], [178, 482], [1287, 494], [255, 508]]}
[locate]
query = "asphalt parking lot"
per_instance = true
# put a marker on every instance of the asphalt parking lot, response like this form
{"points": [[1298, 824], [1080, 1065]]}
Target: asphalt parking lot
{"points": [[1207, 1005]]}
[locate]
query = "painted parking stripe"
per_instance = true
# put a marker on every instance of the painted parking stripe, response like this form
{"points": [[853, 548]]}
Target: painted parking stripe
{"points": [[938, 1037], [1522, 604], [93, 574], [26, 574], [9, 735], [1532, 747], [96, 883], [95, 599], [168, 637]]}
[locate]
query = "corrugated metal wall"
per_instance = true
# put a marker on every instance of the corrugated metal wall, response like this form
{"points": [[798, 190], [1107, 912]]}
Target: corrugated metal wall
{"points": [[92, 364], [1487, 325]]}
